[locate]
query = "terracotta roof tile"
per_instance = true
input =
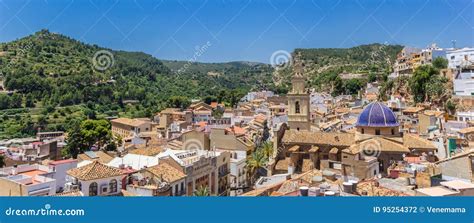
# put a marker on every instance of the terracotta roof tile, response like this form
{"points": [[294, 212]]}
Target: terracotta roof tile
{"points": [[167, 172], [93, 171], [322, 138], [413, 141]]}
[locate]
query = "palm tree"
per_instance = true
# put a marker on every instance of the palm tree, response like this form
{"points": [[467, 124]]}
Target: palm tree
{"points": [[267, 149], [255, 162], [202, 192]]}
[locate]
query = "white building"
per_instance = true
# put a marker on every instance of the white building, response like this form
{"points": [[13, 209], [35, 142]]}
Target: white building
{"points": [[135, 161], [200, 167], [238, 172], [27, 180], [95, 179], [160, 180], [464, 82], [60, 169], [460, 58], [465, 116]]}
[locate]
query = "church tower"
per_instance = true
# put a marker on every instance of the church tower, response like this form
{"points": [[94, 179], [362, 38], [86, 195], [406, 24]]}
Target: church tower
{"points": [[298, 98]]}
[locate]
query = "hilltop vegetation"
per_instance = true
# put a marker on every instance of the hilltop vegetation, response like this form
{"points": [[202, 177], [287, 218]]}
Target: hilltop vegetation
{"points": [[50, 80], [47, 73], [323, 66]]}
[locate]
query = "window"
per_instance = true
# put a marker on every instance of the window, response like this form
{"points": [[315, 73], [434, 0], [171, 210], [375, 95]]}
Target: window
{"points": [[377, 131], [362, 131], [93, 189], [113, 186], [297, 107], [393, 132]]}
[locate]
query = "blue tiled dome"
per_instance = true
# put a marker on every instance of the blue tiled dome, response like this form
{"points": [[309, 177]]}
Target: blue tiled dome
{"points": [[377, 114]]}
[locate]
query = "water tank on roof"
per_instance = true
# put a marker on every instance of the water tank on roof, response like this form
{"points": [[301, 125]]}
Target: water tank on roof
{"points": [[329, 194], [354, 185], [317, 179], [304, 191], [313, 191], [347, 186]]}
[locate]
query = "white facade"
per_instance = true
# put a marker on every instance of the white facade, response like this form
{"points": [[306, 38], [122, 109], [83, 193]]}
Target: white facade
{"points": [[465, 116], [37, 179], [137, 162], [464, 83], [104, 186], [238, 173], [460, 58], [200, 167], [60, 168]]}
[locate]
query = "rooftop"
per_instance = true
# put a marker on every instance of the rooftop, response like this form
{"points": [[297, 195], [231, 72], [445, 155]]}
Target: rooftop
{"points": [[377, 114], [128, 121], [323, 138], [93, 171], [458, 185], [167, 172], [436, 191]]}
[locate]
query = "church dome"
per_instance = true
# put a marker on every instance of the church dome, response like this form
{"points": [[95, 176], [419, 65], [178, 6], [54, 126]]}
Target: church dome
{"points": [[377, 114]]}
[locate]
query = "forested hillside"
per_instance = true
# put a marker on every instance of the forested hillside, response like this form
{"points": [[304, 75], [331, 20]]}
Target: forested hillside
{"points": [[323, 66], [48, 79], [46, 76]]}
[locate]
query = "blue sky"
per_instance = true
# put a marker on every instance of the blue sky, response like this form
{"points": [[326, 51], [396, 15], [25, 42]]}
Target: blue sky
{"points": [[241, 30]]}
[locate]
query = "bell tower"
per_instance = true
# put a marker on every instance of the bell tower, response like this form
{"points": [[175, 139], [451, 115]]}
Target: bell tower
{"points": [[298, 98]]}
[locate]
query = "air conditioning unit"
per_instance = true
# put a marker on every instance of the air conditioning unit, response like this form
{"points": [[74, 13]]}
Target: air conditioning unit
{"points": [[71, 187]]}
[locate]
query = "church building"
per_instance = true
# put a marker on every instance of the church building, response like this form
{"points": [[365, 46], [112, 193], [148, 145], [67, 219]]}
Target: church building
{"points": [[298, 99]]}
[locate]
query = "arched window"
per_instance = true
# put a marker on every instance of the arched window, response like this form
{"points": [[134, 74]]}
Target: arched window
{"points": [[93, 189], [297, 107], [113, 186]]}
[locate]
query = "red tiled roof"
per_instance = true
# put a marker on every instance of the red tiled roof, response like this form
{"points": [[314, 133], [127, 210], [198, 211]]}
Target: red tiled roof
{"points": [[58, 162]]}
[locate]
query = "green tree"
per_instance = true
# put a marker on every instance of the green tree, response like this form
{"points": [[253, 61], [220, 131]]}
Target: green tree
{"points": [[29, 101], [96, 132], [266, 131], [267, 149], [419, 80], [83, 135], [353, 86], [178, 102], [450, 107], [255, 162], [202, 192], [440, 63], [372, 77]]}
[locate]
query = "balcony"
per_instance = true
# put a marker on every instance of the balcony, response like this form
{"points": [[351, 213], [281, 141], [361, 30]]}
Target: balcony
{"points": [[224, 173]]}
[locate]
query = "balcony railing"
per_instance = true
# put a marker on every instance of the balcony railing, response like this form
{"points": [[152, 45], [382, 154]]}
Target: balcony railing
{"points": [[223, 173]]}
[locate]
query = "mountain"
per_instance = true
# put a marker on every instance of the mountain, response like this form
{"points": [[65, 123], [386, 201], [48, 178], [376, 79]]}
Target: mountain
{"points": [[58, 70], [324, 66], [48, 79], [47, 73]]}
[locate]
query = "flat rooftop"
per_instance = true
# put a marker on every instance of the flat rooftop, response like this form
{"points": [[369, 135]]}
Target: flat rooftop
{"points": [[437, 191]]}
